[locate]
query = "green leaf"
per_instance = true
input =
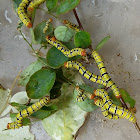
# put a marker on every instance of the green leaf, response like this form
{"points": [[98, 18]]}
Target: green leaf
{"points": [[16, 4], [63, 33], [101, 43], [100, 86], [26, 121], [3, 98], [55, 58], [39, 36], [68, 119], [88, 104], [125, 95], [52, 5], [41, 113], [66, 6], [127, 98], [29, 71], [82, 39], [114, 99], [22, 133], [40, 83]]}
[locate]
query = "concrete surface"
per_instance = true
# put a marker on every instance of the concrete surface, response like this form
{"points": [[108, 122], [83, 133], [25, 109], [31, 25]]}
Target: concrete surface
{"points": [[118, 18]]}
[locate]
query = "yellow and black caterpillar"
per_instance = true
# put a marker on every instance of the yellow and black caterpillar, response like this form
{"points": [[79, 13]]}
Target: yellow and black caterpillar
{"points": [[112, 108], [105, 75], [22, 13], [34, 4], [47, 26], [63, 48], [82, 95], [71, 25], [27, 112], [105, 112], [82, 70]]}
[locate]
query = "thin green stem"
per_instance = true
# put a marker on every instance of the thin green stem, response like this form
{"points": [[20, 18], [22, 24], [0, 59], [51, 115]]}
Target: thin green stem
{"points": [[32, 48]]}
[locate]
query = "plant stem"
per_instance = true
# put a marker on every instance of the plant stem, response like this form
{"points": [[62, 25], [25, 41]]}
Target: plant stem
{"points": [[32, 48], [78, 20]]}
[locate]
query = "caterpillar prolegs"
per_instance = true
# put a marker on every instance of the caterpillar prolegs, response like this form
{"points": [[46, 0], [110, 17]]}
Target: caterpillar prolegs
{"points": [[27, 112], [112, 108], [22, 13], [105, 75], [63, 48]]}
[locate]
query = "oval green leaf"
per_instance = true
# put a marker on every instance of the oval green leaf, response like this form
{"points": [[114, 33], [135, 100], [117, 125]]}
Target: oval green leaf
{"points": [[101, 43], [52, 5], [66, 6], [55, 58], [39, 36], [40, 83], [82, 39], [29, 71], [63, 33]]}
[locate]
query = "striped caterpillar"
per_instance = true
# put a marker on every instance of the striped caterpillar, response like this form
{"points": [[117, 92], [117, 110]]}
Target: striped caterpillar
{"points": [[82, 70], [34, 4], [82, 95], [22, 14], [71, 25], [63, 48], [105, 75], [105, 112], [112, 108], [47, 25], [27, 112]]}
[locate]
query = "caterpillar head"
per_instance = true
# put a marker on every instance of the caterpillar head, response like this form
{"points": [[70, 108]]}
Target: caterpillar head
{"points": [[92, 96], [65, 21], [29, 25], [83, 53], [65, 64], [30, 9], [118, 97], [50, 20], [8, 126], [47, 37]]}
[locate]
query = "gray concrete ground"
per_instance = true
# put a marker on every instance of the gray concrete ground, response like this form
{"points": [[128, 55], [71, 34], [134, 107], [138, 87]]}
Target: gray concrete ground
{"points": [[118, 18]]}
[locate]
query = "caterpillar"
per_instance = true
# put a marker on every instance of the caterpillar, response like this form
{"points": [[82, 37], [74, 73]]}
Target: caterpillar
{"points": [[27, 112], [47, 25], [112, 108], [82, 95], [71, 25], [105, 75], [63, 48], [34, 4], [82, 70], [22, 14], [105, 112]]}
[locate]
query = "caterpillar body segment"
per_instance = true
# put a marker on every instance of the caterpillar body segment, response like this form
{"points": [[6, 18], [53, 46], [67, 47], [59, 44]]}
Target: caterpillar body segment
{"points": [[105, 112], [71, 25], [47, 26], [22, 13], [27, 112], [105, 75], [82, 70], [34, 4], [63, 48], [112, 108]]}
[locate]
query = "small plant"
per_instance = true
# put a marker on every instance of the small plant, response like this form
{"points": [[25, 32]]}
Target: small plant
{"points": [[54, 94]]}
